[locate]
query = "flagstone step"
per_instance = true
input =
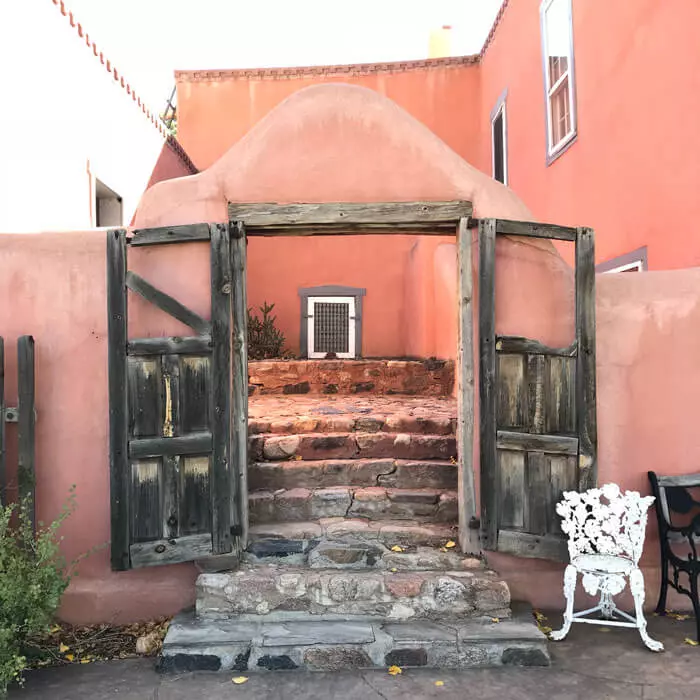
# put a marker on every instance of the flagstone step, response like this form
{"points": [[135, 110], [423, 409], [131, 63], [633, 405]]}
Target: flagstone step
{"points": [[374, 503], [319, 446], [194, 644], [393, 473], [261, 590]]}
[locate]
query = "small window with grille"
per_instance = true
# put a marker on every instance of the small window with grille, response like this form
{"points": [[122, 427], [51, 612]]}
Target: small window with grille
{"points": [[331, 326]]}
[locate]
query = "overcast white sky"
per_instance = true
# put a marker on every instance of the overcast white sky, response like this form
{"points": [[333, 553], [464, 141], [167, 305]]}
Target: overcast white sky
{"points": [[148, 39]]}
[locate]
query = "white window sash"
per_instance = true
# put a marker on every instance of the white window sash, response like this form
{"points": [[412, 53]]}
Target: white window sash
{"points": [[311, 310], [501, 110]]}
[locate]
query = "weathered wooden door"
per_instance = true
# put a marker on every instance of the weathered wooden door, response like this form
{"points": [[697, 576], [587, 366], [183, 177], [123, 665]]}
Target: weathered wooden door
{"points": [[177, 450], [538, 408]]}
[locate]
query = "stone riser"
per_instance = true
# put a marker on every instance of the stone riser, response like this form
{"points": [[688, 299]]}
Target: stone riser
{"points": [[264, 590], [375, 503], [319, 446], [236, 646]]}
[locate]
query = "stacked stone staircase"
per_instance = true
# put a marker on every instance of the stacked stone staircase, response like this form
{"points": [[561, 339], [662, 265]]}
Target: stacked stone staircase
{"points": [[352, 559]]}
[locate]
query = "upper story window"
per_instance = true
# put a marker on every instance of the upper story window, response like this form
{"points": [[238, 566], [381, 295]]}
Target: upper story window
{"points": [[499, 157], [558, 54]]}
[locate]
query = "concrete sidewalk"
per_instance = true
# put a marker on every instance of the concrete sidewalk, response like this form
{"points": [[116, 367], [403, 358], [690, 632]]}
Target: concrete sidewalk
{"points": [[594, 662]]}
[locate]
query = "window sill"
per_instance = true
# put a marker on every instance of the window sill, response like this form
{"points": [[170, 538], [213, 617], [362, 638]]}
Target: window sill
{"points": [[571, 140]]}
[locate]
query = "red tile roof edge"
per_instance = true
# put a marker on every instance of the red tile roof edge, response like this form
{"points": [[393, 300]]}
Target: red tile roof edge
{"points": [[304, 71], [494, 27], [177, 148], [110, 68]]}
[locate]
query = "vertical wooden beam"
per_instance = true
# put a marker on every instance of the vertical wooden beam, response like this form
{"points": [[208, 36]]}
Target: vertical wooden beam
{"points": [[3, 443], [487, 383], [220, 477], [240, 379], [586, 359], [26, 472], [468, 519], [118, 398]]}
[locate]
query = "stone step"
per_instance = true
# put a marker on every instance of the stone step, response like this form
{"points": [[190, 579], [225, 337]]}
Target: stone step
{"points": [[374, 503], [319, 446], [195, 644], [281, 590], [354, 422], [394, 473]]}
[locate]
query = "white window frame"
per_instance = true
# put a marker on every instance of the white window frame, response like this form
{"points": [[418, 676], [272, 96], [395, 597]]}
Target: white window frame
{"points": [[350, 301], [637, 266], [500, 109], [555, 149]]}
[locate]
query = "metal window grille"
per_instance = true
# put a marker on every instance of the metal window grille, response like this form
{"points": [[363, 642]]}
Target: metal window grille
{"points": [[331, 328]]}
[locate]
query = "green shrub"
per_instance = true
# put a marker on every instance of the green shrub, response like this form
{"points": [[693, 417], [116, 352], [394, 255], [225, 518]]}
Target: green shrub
{"points": [[33, 577], [265, 340]]}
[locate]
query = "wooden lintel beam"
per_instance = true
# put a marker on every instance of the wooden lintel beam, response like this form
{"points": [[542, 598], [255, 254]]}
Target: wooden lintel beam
{"points": [[169, 234]]}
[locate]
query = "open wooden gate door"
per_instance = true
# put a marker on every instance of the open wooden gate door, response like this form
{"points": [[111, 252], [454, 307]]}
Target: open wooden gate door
{"points": [[538, 408], [177, 448]]}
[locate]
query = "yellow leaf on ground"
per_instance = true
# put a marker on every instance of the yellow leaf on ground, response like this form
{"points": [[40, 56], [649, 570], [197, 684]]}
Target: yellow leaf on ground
{"points": [[439, 684], [238, 680], [393, 571], [450, 544], [396, 548], [442, 549], [69, 657], [395, 670], [495, 619], [55, 628], [690, 642], [63, 648], [680, 617], [84, 661]]}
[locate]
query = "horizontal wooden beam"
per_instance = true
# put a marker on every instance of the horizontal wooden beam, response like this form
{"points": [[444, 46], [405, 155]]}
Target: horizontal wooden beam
{"points": [[167, 303], [533, 229], [170, 234], [171, 551], [196, 444], [350, 218], [526, 346], [525, 544], [190, 345], [526, 442]]}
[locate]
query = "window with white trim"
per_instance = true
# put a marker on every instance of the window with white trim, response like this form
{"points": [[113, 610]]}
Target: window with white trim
{"points": [[331, 327], [558, 55], [499, 158]]}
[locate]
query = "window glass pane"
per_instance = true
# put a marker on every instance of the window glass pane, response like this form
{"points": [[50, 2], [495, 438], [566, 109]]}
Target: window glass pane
{"points": [[498, 149], [560, 114], [557, 39]]}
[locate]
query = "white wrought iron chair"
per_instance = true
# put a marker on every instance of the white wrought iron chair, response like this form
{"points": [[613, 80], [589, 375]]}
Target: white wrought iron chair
{"points": [[606, 536]]}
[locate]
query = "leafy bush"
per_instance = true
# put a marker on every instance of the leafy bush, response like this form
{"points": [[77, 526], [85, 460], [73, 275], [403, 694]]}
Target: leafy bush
{"points": [[265, 340], [33, 577]]}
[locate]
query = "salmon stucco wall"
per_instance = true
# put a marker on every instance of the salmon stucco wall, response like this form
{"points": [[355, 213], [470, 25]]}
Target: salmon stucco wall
{"points": [[632, 171]]}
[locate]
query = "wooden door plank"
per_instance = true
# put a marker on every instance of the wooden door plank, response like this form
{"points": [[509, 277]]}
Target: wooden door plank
{"points": [[167, 303], [350, 217], [537, 501], [554, 444], [512, 489], [535, 229], [170, 234], [535, 393], [511, 392], [239, 500], [220, 478], [525, 544], [170, 428], [171, 551], [118, 399], [26, 473], [187, 345], [3, 440], [145, 497], [487, 383], [586, 360], [468, 511], [527, 346], [197, 443]]}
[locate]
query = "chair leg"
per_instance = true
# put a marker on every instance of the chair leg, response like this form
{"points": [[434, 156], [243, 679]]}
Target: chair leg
{"points": [[569, 591], [663, 591], [637, 588], [696, 602]]}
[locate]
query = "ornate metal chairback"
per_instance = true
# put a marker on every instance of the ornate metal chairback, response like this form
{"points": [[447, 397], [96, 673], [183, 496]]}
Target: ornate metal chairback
{"points": [[605, 521]]}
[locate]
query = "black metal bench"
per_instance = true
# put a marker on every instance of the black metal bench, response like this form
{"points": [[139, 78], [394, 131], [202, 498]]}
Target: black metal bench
{"points": [[678, 515]]}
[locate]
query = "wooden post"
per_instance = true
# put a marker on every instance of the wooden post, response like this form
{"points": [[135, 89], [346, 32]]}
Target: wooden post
{"points": [[26, 474], [220, 475], [468, 513], [118, 398], [3, 483], [240, 379], [487, 383], [586, 360]]}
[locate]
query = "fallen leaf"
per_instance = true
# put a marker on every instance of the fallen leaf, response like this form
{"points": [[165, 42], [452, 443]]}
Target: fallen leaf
{"points": [[680, 617], [495, 619], [69, 657], [539, 616], [395, 670], [297, 458], [453, 460], [238, 680], [439, 684], [393, 571], [396, 548], [690, 642], [546, 630], [63, 648], [84, 661], [55, 628], [442, 549], [450, 544]]}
